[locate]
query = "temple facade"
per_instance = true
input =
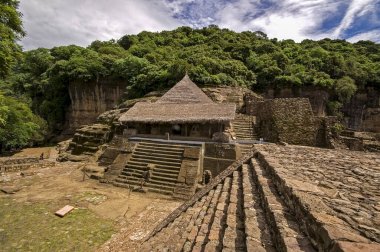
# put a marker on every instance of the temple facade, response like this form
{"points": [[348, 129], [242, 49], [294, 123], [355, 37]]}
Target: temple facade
{"points": [[183, 113]]}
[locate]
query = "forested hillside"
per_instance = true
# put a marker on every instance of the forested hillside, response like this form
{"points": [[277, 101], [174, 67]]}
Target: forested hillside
{"points": [[211, 56]]}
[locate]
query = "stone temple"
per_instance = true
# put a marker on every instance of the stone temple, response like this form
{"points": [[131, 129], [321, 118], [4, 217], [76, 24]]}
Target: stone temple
{"points": [[280, 181]]}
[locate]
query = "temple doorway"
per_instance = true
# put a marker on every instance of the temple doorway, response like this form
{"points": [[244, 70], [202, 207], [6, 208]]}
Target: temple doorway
{"points": [[176, 130]]}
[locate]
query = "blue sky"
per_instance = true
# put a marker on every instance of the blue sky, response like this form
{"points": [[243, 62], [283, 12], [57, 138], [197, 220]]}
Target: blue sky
{"points": [[51, 23]]}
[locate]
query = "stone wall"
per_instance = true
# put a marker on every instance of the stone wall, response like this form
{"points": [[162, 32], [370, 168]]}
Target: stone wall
{"points": [[362, 113], [12, 164], [252, 102], [89, 100], [287, 120], [318, 98], [217, 157]]}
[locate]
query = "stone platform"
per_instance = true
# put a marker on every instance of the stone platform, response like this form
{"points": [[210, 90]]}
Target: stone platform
{"points": [[281, 198], [344, 184]]}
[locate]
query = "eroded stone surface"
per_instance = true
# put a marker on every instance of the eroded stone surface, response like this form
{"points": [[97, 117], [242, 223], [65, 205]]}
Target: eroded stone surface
{"points": [[347, 182]]}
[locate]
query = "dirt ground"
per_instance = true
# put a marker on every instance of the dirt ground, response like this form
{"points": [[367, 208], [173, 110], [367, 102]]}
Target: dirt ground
{"points": [[124, 215]]}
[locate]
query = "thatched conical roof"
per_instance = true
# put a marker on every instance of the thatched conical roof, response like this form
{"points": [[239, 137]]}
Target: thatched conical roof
{"points": [[183, 103], [185, 91]]}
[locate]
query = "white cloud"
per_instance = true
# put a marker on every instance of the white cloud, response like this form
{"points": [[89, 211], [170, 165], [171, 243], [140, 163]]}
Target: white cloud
{"points": [[357, 7], [288, 19], [54, 22], [373, 35]]}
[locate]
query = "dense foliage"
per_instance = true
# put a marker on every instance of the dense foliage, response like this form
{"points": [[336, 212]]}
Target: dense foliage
{"points": [[211, 56], [10, 31], [18, 125]]}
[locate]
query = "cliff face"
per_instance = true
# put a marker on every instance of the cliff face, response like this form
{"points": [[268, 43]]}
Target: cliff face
{"points": [[362, 113], [89, 100]]}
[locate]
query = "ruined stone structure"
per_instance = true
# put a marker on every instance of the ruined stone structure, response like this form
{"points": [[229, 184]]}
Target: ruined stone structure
{"points": [[287, 120], [12, 164], [362, 113], [280, 198], [86, 142]]}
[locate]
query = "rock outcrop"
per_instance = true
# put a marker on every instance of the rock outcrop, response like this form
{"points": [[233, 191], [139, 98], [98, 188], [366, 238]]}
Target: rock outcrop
{"points": [[89, 100]]}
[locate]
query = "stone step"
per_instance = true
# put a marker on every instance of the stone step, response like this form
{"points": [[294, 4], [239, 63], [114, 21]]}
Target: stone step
{"points": [[139, 165], [162, 146], [157, 190], [285, 232], [162, 151], [244, 135], [205, 227], [150, 161], [151, 184], [159, 158], [243, 125], [155, 172], [158, 154], [214, 241], [234, 236], [154, 178], [257, 230], [168, 240], [237, 133], [170, 144], [188, 237]]}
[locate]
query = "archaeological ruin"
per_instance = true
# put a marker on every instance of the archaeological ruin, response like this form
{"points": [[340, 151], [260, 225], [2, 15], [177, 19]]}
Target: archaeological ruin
{"points": [[252, 174]]}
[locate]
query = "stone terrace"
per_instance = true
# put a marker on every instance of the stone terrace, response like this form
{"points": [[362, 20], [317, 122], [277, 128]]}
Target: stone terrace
{"points": [[346, 184], [280, 198]]}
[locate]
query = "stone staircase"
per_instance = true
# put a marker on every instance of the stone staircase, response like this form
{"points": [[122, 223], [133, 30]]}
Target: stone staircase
{"points": [[248, 207], [242, 213], [243, 126], [167, 158], [245, 148]]}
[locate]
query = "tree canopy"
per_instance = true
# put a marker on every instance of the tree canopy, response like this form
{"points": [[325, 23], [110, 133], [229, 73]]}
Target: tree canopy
{"points": [[212, 56], [18, 125]]}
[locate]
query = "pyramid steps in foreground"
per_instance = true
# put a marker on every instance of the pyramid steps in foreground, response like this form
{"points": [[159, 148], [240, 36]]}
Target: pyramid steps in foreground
{"points": [[248, 207]]}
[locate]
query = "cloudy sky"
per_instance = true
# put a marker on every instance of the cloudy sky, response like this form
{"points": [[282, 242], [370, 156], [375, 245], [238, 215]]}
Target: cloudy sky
{"points": [[51, 23]]}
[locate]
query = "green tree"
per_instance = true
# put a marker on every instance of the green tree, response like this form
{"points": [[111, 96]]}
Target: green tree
{"points": [[18, 125], [345, 87], [10, 31]]}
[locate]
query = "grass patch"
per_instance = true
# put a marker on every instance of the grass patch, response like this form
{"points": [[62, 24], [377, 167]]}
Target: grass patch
{"points": [[34, 227]]}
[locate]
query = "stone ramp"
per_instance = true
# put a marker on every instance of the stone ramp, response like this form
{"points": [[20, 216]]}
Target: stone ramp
{"points": [[231, 218], [249, 207], [243, 126], [167, 159], [285, 232]]}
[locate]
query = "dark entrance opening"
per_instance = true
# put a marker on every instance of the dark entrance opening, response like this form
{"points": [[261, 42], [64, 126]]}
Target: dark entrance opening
{"points": [[176, 129]]}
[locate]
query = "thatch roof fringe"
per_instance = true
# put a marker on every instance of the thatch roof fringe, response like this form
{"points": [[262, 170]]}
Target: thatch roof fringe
{"points": [[181, 113]]}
